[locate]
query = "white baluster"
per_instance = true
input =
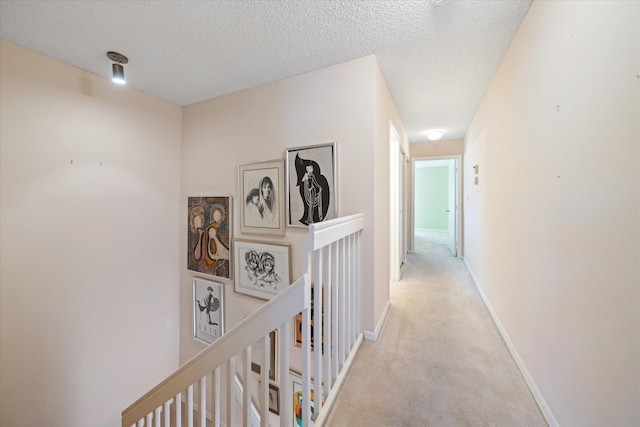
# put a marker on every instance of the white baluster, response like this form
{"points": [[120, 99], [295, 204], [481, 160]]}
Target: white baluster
{"points": [[179, 410], [317, 329], [190, 406], [141, 422], [203, 401], [285, 395], [231, 398], [334, 303], [327, 328], [264, 381], [215, 402], [150, 419], [306, 359], [354, 296], [246, 387], [358, 294], [343, 298], [167, 413], [158, 411], [347, 331]]}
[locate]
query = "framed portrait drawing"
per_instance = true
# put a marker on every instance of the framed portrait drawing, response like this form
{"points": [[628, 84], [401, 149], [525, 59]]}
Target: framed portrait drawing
{"points": [[261, 188], [274, 399], [311, 184], [209, 235], [262, 269], [257, 351], [208, 310]]}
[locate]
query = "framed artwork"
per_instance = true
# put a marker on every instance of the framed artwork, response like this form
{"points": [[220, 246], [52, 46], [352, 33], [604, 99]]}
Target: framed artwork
{"points": [[262, 269], [208, 310], [296, 386], [209, 235], [261, 190], [257, 351], [297, 329], [274, 399], [311, 184]]}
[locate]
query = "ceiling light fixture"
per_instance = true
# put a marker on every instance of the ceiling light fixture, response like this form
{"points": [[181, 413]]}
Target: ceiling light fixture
{"points": [[434, 135], [118, 69]]}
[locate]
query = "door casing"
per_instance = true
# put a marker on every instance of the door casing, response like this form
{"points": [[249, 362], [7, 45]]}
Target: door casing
{"points": [[458, 207]]}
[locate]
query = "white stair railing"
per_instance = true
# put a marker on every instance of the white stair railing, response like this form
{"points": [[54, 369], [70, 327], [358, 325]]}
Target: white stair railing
{"points": [[332, 264], [220, 357]]}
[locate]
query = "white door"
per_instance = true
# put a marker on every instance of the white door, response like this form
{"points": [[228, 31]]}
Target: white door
{"points": [[451, 206]]}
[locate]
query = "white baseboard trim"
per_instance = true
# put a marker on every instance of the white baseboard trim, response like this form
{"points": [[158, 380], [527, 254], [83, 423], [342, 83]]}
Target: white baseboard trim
{"points": [[373, 336], [537, 395]]}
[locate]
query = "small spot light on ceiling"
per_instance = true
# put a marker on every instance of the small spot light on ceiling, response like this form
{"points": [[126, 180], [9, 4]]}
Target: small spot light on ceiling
{"points": [[434, 135], [118, 69]]}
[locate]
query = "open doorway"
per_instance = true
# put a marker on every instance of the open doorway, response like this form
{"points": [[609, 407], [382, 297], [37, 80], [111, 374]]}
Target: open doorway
{"points": [[436, 202]]}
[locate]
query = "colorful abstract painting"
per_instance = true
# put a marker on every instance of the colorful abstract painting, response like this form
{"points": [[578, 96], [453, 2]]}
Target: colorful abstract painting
{"points": [[296, 382], [209, 235]]}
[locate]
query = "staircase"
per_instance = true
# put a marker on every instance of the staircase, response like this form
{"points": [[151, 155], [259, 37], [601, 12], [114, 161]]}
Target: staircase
{"points": [[220, 376]]}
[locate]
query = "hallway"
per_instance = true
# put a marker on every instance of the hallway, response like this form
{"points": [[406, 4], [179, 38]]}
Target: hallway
{"points": [[439, 360]]}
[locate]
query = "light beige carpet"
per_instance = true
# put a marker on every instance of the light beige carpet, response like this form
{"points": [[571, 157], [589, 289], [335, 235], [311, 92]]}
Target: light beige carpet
{"points": [[439, 360]]}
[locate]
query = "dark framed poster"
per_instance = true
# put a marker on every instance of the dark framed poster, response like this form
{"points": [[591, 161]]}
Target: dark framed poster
{"points": [[311, 184]]}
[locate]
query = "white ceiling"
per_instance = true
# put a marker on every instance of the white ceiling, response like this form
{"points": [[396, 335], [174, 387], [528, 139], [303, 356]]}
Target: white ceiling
{"points": [[437, 56]]}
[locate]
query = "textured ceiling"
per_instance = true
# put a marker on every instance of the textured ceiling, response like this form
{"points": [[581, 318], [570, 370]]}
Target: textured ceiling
{"points": [[437, 56]]}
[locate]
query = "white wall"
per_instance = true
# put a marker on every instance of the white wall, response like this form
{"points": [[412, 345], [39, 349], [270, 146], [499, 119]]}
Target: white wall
{"points": [[552, 229], [89, 250]]}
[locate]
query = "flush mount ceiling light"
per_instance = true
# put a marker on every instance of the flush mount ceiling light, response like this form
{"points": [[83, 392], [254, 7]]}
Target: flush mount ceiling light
{"points": [[118, 69], [434, 135]]}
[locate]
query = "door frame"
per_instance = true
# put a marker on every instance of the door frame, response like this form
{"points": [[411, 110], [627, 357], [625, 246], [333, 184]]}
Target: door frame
{"points": [[395, 181], [458, 159]]}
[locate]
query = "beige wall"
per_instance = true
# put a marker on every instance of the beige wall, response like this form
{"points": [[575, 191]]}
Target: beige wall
{"points": [[89, 265], [385, 114], [335, 104], [448, 147], [552, 229]]}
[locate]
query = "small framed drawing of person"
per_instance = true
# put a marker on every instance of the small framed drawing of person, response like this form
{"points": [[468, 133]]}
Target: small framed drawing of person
{"points": [[311, 184], [262, 269], [208, 310], [261, 194]]}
